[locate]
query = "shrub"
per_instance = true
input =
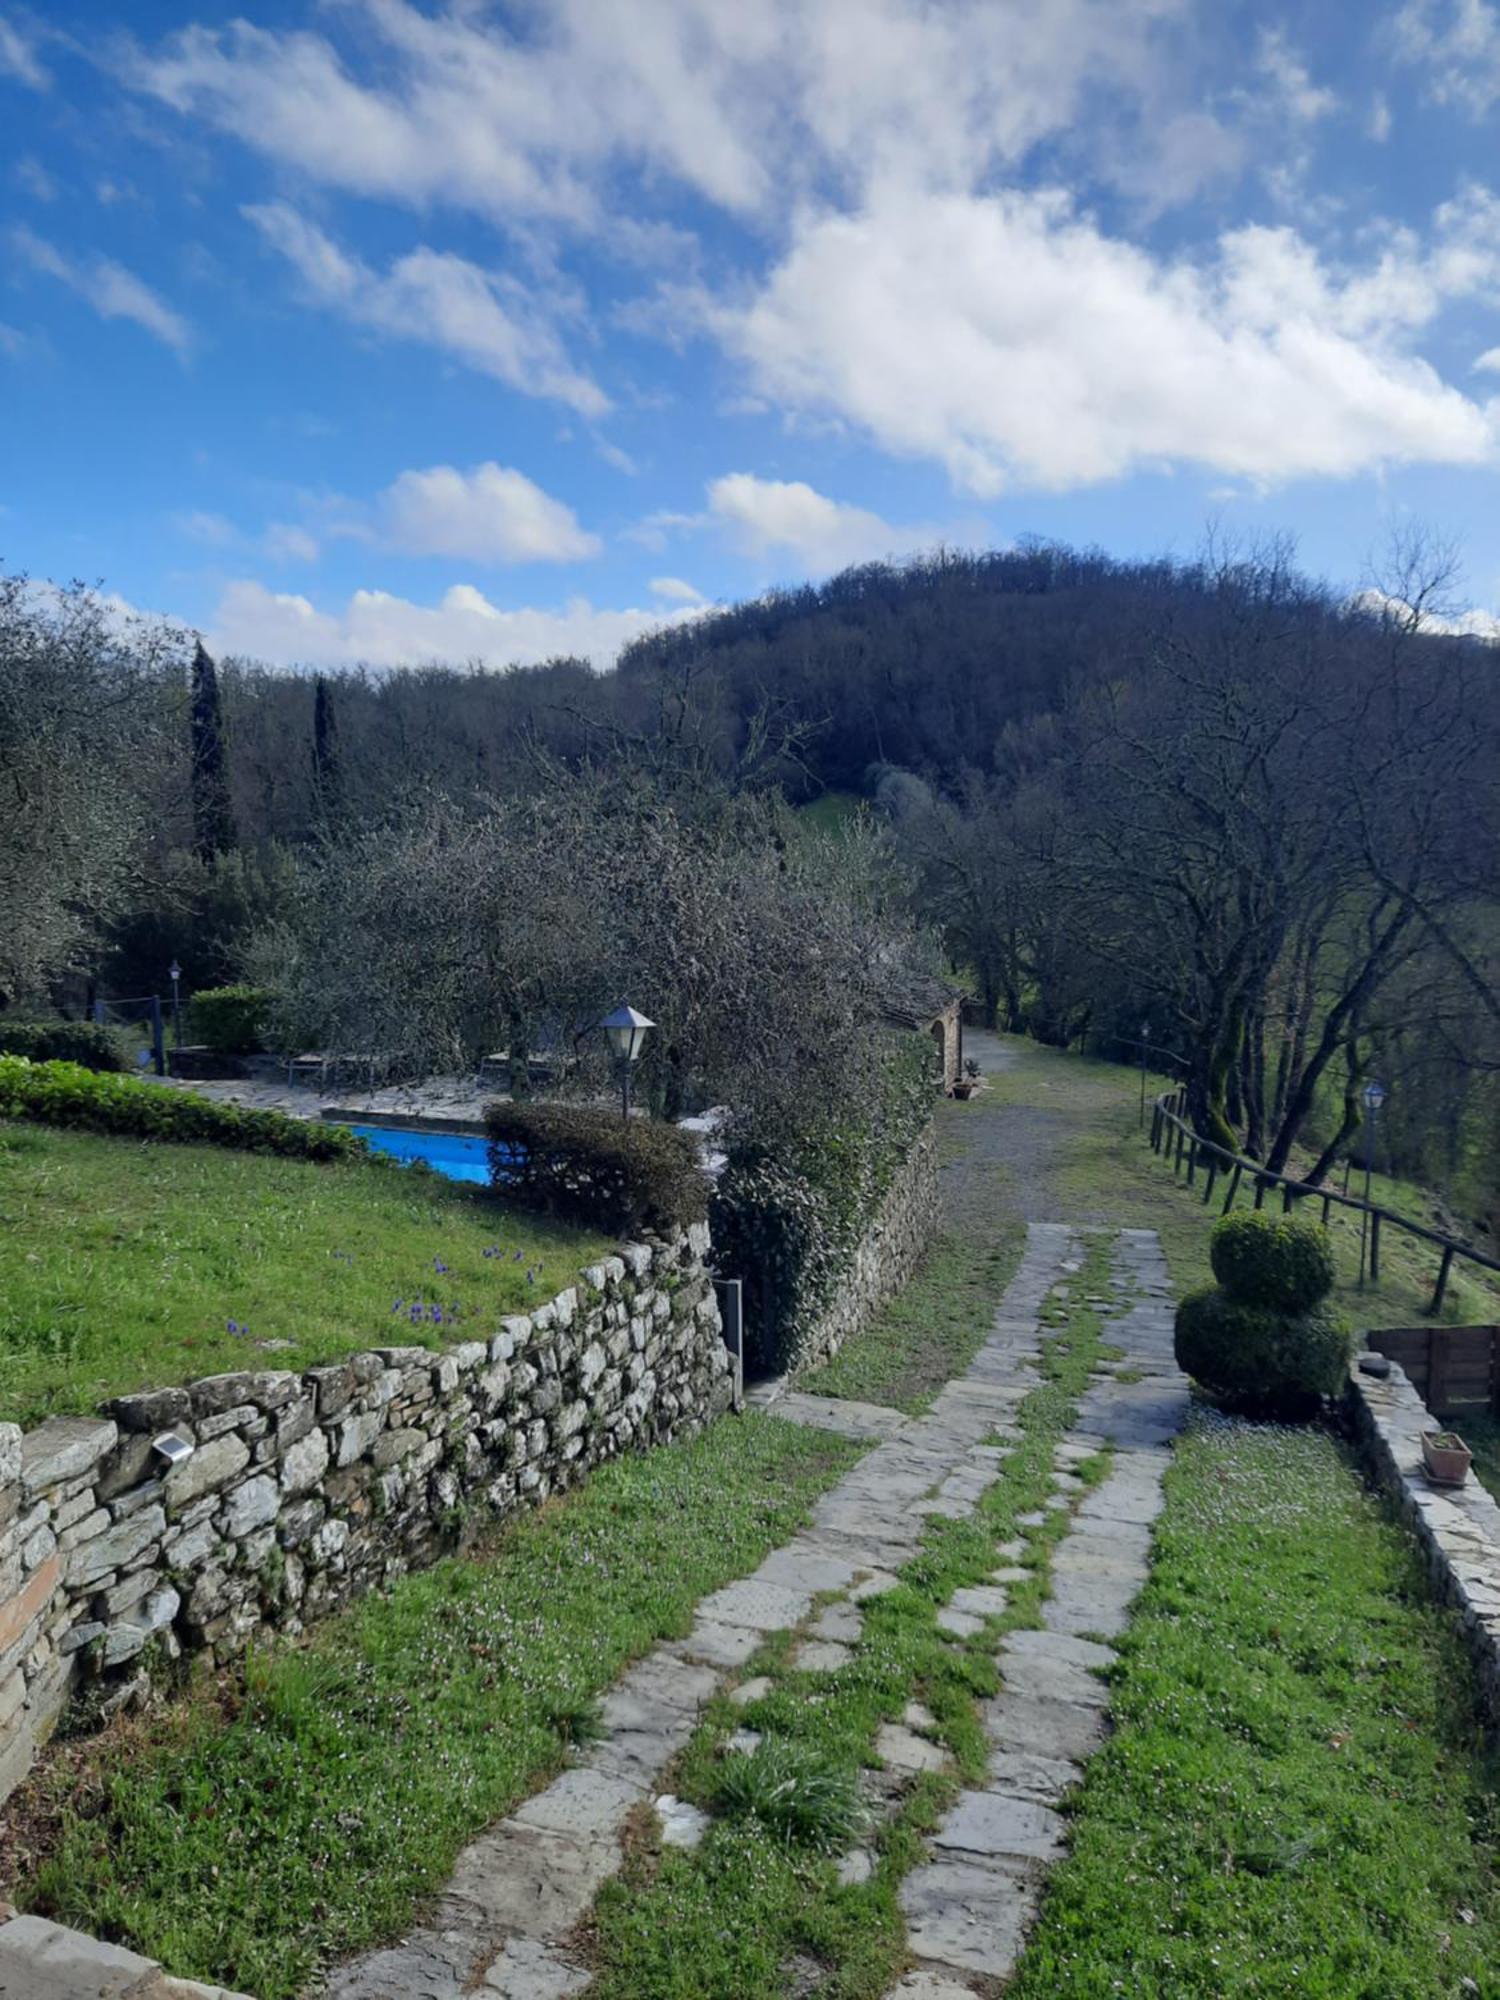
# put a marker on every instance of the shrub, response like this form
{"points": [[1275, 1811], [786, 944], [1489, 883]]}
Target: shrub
{"points": [[788, 1220], [61, 1093], [586, 1165], [230, 1020], [1254, 1357], [1273, 1260], [84, 1042], [794, 1794]]}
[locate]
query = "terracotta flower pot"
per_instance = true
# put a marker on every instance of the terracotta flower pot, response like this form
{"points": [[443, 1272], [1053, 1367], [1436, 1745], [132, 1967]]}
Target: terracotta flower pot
{"points": [[1447, 1457]]}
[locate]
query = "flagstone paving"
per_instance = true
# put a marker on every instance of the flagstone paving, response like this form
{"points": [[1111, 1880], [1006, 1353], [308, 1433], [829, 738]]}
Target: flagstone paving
{"points": [[968, 1908], [502, 1926]]}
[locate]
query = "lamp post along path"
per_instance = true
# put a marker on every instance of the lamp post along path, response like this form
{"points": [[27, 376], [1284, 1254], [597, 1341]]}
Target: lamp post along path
{"points": [[626, 1030]]}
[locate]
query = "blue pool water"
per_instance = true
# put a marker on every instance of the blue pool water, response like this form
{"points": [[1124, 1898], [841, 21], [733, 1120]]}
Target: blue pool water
{"points": [[454, 1154]]}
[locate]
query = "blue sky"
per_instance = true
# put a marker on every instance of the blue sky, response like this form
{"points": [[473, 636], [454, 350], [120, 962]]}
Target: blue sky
{"points": [[381, 330]]}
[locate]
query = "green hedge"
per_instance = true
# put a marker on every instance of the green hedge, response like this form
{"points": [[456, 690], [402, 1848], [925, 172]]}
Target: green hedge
{"points": [[788, 1220], [592, 1167], [61, 1093], [84, 1042], [230, 1020], [1273, 1260], [1255, 1358]]}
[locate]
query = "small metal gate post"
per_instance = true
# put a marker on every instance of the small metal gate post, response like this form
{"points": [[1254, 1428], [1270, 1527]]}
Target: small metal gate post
{"points": [[730, 1293]]}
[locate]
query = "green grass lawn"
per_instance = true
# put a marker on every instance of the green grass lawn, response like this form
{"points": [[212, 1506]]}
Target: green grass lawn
{"points": [[123, 1263], [929, 1332], [258, 1830], [1294, 1801], [1107, 1171]]}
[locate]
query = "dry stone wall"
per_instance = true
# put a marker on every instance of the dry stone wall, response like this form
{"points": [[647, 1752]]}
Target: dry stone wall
{"points": [[303, 1489]]}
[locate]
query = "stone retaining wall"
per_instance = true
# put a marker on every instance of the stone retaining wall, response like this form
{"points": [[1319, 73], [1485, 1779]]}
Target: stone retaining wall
{"points": [[1457, 1527], [888, 1253], [304, 1489]]}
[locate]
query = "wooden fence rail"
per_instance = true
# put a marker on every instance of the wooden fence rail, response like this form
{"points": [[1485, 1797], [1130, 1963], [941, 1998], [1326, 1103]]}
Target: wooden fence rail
{"points": [[1171, 1133]]}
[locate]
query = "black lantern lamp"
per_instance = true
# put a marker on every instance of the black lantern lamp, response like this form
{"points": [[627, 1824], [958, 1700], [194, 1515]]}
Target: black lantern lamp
{"points": [[626, 1030]]}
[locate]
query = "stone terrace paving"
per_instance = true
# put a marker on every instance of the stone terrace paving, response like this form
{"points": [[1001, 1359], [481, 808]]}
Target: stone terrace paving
{"points": [[501, 1928]]}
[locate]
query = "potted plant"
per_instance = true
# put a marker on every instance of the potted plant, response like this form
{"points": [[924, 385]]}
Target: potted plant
{"points": [[1447, 1457], [969, 1082]]}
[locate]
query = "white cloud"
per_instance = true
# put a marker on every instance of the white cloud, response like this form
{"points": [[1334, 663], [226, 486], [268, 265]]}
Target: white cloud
{"points": [[213, 530], [1458, 43], [30, 174], [1288, 75], [1011, 339], [18, 57], [489, 322], [379, 629], [112, 291], [1490, 360], [741, 103], [774, 515], [675, 590], [284, 541], [1378, 125], [490, 514]]}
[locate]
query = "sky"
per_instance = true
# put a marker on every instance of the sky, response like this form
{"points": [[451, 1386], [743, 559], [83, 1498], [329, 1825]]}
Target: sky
{"points": [[387, 330]]}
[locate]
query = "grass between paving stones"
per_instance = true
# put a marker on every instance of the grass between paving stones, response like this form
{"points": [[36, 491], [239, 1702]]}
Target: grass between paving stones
{"points": [[254, 1832], [752, 1915], [1294, 1801], [126, 1265]]}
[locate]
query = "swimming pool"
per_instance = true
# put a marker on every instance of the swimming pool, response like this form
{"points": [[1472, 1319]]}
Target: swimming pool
{"points": [[453, 1154]]}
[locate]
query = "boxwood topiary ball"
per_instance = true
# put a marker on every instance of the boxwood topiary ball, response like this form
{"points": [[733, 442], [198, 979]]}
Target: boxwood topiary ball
{"points": [[1272, 1260], [1253, 1357]]}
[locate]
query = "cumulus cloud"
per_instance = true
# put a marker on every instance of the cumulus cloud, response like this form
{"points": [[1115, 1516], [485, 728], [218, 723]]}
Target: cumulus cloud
{"points": [[1457, 44], [378, 629], [488, 321], [675, 590], [1011, 339], [777, 516], [490, 514], [111, 290]]}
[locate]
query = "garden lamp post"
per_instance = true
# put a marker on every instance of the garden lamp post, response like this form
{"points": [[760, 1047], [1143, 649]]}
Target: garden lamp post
{"points": [[174, 973], [627, 1031], [1373, 1096], [1145, 1038]]}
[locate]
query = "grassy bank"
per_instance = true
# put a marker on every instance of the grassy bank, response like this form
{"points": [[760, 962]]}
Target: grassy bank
{"points": [[1293, 1801], [1104, 1171], [758, 1912], [126, 1265], [261, 1828]]}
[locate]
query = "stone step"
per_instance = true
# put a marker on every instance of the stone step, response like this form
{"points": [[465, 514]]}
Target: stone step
{"points": [[40, 1960]]}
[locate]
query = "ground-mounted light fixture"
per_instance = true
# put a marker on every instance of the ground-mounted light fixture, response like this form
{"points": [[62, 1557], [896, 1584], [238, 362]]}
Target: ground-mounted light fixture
{"points": [[1372, 1097], [174, 1449], [626, 1031], [174, 973]]}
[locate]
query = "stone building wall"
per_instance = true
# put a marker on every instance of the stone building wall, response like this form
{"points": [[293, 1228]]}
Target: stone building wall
{"points": [[888, 1253], [304, 1489]]}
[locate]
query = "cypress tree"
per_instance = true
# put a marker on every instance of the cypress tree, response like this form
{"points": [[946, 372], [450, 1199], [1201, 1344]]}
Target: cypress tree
{"points": [[213, 815], [325, 748]]}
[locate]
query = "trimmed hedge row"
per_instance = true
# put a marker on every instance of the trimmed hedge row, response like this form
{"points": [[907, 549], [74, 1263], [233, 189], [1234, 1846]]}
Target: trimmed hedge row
{"points": [[789, 1220], [589, 1166], [62, 1093], [84, 1042], [231, 1020]]}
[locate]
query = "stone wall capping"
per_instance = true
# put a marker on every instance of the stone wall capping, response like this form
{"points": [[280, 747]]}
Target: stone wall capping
{"points": [[305, 1488], [63, 1449], [1457, 1529]]}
